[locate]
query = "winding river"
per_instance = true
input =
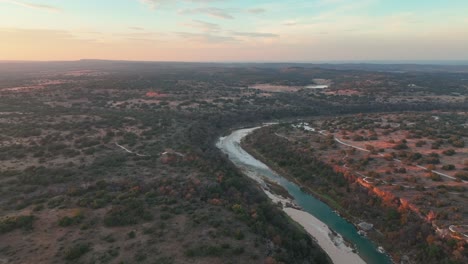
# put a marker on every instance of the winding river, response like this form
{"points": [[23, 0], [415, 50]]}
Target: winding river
{"points": [[316, 217]]}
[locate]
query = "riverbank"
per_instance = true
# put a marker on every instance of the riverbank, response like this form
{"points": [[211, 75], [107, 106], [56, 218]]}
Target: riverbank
{"points": [[327, 200], [330, 202], [333, 244]]}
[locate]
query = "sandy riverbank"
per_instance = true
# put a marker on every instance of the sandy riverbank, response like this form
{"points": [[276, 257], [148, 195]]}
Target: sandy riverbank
{"points": [[332, 244], [335, 248]]}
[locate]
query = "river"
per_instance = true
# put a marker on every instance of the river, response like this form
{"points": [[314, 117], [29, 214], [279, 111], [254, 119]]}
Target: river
{"points": [[316, 217]]}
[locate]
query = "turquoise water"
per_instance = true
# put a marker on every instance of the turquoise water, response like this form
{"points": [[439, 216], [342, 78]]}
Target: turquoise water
{"points": [[367, 249]]}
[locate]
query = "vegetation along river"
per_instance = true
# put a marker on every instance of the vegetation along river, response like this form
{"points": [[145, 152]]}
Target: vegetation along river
{"points": [[316, 218]]}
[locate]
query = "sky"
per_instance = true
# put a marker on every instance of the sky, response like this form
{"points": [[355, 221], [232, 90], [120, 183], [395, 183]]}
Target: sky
{"points": [[234, 30]]}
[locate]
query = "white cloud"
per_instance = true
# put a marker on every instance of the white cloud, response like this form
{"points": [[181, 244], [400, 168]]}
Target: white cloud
{"points": [[205, 37], [290, 23], [33, 6], [256, 10], [137, 28], [204, 26], [254, 34], [153, 4], [211, 11]]}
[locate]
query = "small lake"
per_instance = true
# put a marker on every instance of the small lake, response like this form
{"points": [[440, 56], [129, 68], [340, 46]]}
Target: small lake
{"points": [[317, 86]]}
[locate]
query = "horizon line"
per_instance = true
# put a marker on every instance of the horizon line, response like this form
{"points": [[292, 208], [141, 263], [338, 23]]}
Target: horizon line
{"points": [[447, 62]]}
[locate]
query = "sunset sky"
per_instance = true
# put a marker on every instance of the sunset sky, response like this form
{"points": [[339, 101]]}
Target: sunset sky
{"points": [[234, 30]]}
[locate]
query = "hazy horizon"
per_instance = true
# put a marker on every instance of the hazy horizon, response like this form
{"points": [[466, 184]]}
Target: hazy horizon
{"points": [[234, 31], [331, 62]]}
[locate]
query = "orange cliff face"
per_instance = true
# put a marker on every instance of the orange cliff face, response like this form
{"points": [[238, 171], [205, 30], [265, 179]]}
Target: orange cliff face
{"points": [[388, 198], [348, 176]]}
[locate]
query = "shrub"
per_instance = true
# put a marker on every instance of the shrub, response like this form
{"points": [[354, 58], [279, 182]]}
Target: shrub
{"points": [[238, 250], [463, 175], [435, 177], [11, 223], [71, 220], [400, 145], [123, 215], [448, 167], [140, 256], [449, 152], [131, 234], [420, 143], [205, 251], [239, 235], [45, 176], [76, 251], [165, 260], [458, 143]]}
